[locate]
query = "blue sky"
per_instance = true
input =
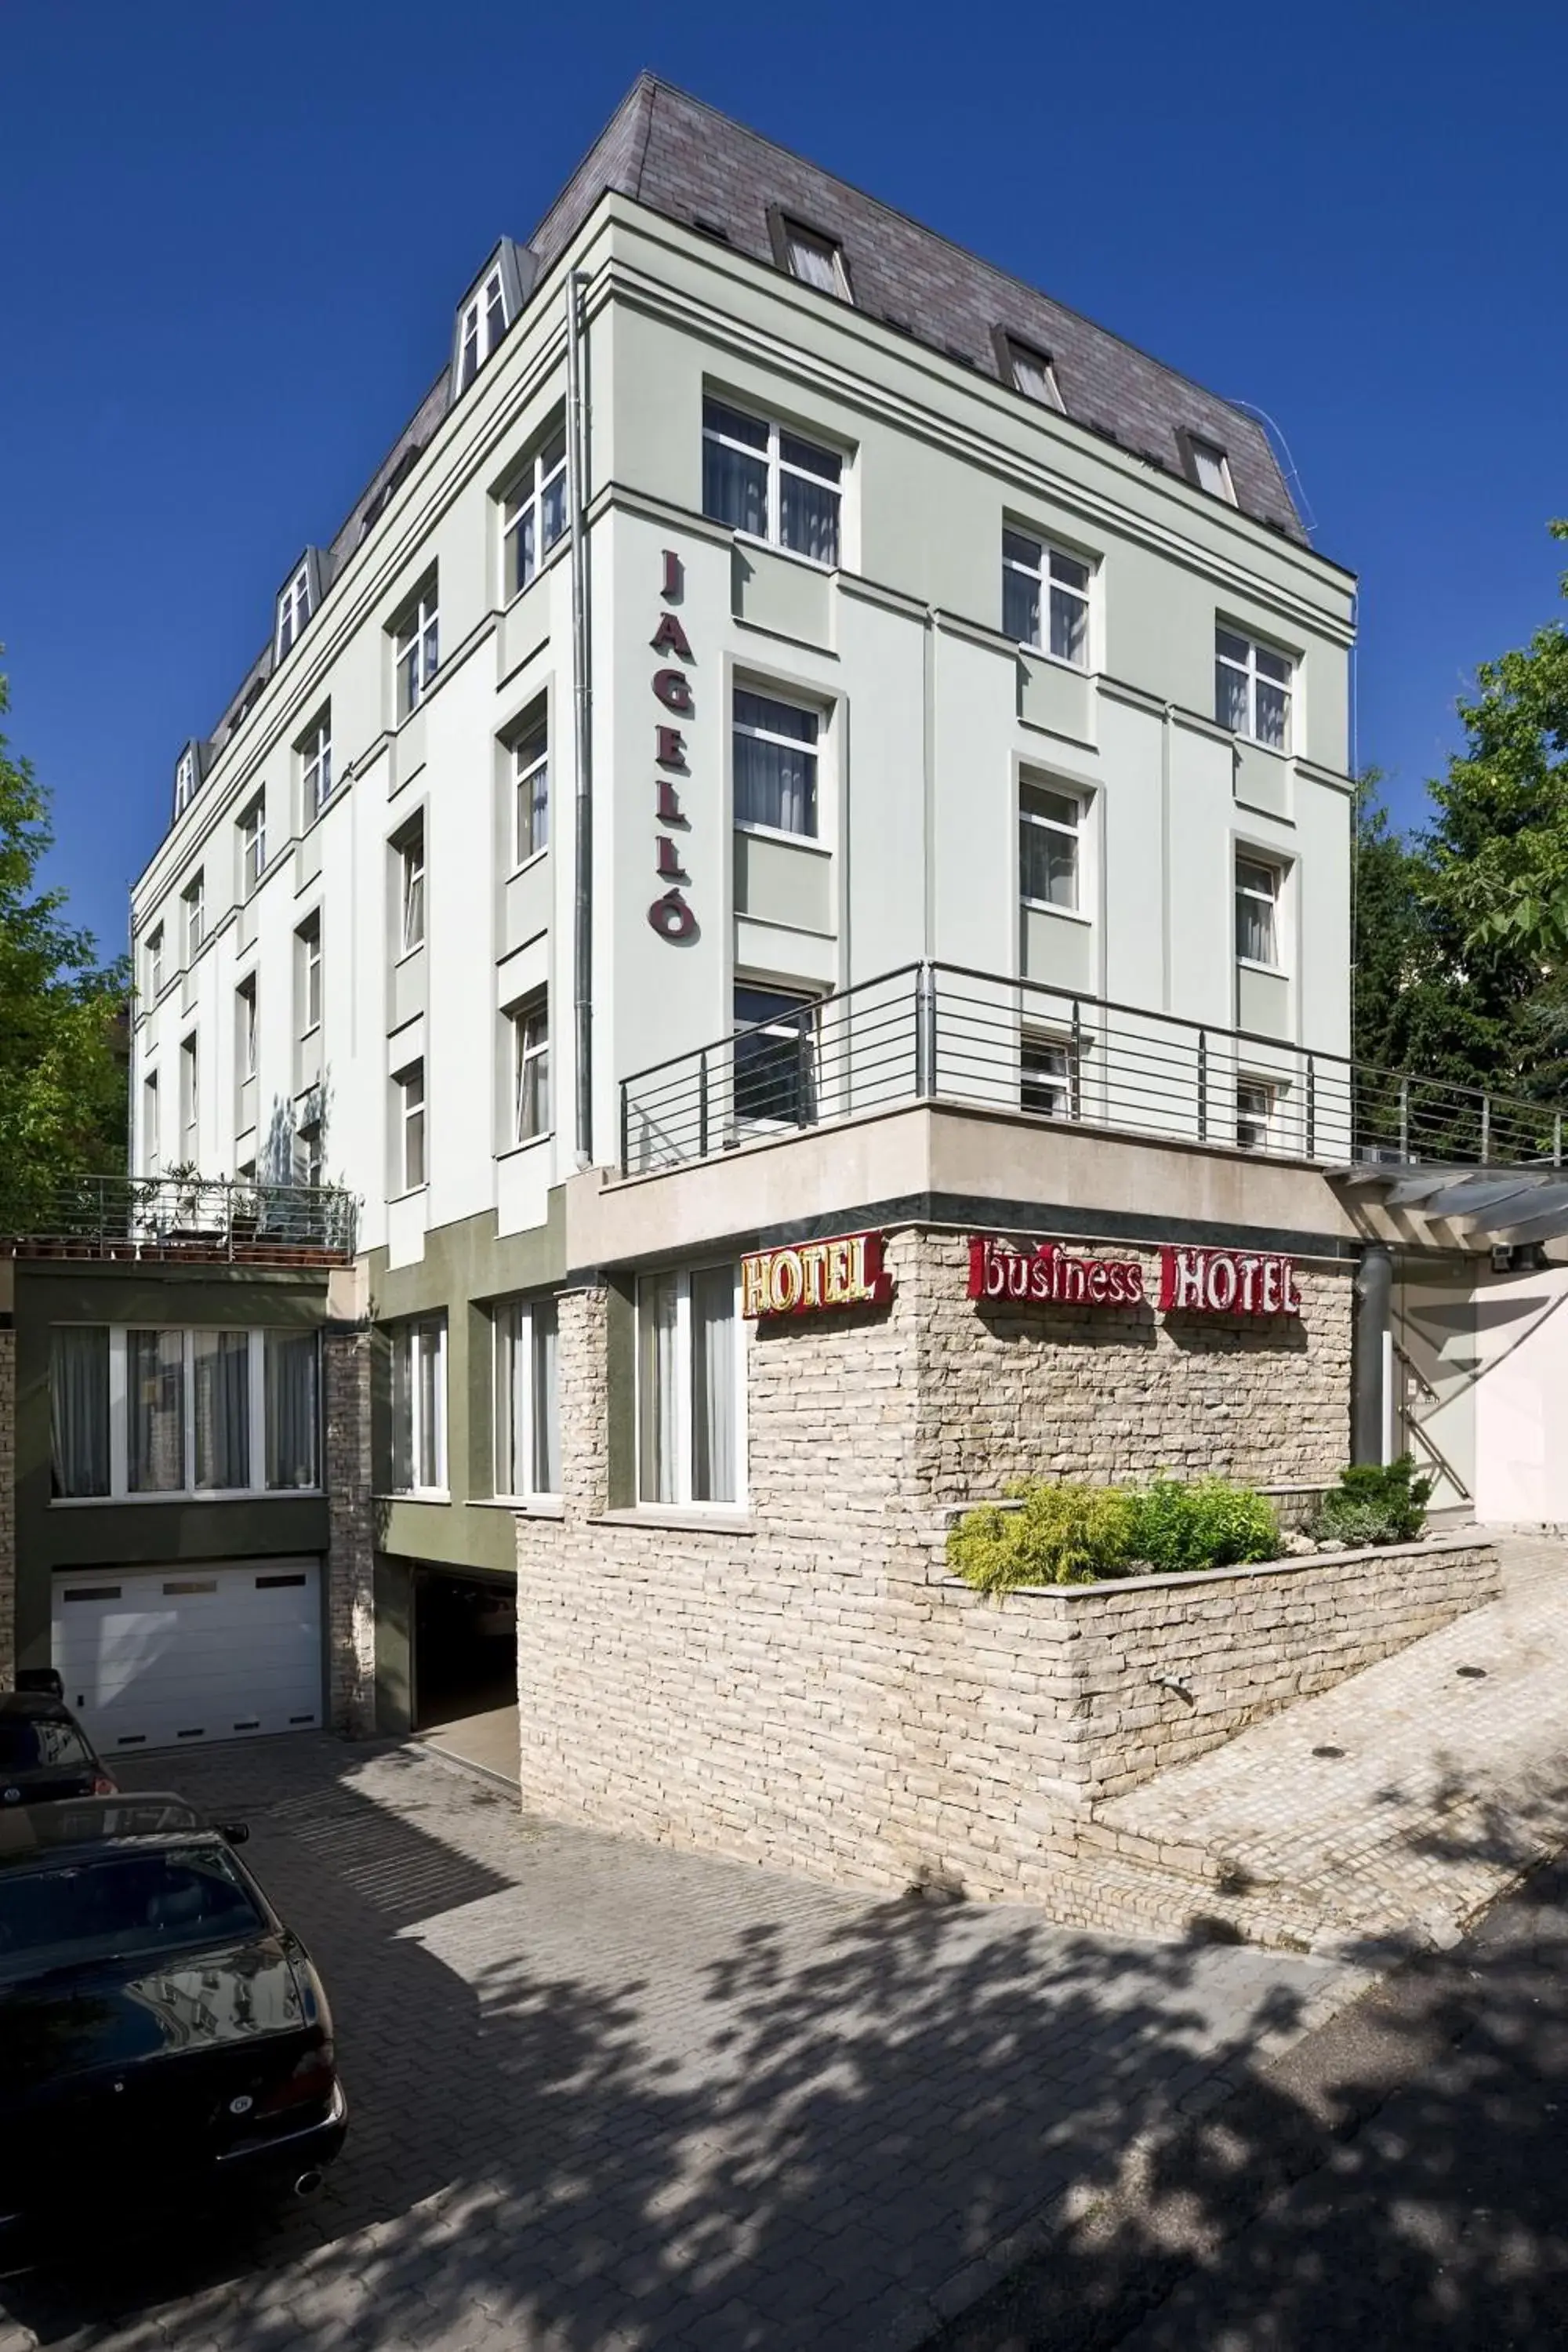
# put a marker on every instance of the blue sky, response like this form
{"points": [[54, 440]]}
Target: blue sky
{"points": [[232, 238]]}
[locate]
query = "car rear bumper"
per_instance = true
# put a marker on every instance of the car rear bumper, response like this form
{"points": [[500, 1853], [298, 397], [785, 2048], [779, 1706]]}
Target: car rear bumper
{"points": [[312, 2145]]}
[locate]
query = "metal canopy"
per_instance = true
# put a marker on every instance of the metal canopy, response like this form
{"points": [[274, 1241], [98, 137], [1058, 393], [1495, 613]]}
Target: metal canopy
{"points": [[1522, 1204]]}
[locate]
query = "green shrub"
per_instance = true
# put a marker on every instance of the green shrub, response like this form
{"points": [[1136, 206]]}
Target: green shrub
{"points": [[1208, 1523], [1060, 1535], [1375, 1503]]}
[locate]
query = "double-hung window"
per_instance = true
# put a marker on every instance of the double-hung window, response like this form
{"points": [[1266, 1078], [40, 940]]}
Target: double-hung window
{"points": [[316, 765], [1047, 1076], [776, 763], [417, 643], [411, 889], [535, 514], [152, 1141], [1045, 598], [690, 1402], [186, 778], [307, 975], [1050, 832], [483, 325], [293, 610], [776, 1057], [419, 1407], [530, 770], [408, 1141], [245, 1029], [758, 476], [531, 1069], [526, 1408], [194, 901], [1252, 689], [1258, 911], [252, 847], [155, 963], [190, 1103], [1254, 1100], [191, 1413]]}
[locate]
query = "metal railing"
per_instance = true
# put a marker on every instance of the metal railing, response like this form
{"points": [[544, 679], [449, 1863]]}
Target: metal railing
{"points": [[251, 1222], [934, 1032]]}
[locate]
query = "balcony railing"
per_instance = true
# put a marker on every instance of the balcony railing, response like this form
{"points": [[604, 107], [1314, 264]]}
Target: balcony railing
{"points": [[939, 1033], [202, 1218]]}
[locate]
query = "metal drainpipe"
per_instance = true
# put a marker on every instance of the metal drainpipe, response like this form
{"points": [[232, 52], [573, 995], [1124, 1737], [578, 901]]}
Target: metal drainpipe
{"points": [[583, 956], [1370, 1354]]}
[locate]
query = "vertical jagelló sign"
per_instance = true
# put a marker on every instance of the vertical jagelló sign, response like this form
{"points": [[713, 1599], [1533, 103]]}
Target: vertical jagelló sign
{"points": [[808, 1276]]}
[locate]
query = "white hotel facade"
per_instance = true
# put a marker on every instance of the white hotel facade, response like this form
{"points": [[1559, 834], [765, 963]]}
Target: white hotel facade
{"points": [[768, 601]]}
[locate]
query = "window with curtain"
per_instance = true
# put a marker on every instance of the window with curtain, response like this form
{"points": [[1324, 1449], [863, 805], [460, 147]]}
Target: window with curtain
{"points": [[156, 1395], [759, 477], [419, 1407], [220, 1374], [1045, 598], [688, 1388], [534, 513], [411, 889], [1258, 911], [776, 763], [776, 1057], [1049, 825], [1253, 686], [78, 1409], [531, 761], [315, 750], [416, 648], [527, 1407], [293, 1372], [531, 1068]]}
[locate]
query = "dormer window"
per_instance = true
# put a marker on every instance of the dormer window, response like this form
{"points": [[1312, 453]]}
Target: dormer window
{"points": [[187, 777], [488, 310], [1033, 373], [1211, 470], [815, 260], [296, 603]]}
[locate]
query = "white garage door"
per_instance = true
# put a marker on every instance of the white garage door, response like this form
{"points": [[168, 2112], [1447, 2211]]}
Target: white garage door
{"points": [[172, 1657]]}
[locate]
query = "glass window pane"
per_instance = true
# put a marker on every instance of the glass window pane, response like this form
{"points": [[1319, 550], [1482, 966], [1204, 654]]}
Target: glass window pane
{"points": [[524, 561], [809, 457], [1273, 716], [1069, 572], [402, 1412], [735, 425], [79, 1410], [1275, 666], [1070, 626], [775, 784], [1020, 607], [813, 260], [735, 487], [546, 1431], [1230, 698], [292, 1370], [777, 718], [1048, 865], [658, 1317], [1057, 808], [1229, 648], [776, 1066], [808, 518], [1016, 548], [553, 510], [713, 1431], [429, 1407], [220, 1371], [155, 1386]]}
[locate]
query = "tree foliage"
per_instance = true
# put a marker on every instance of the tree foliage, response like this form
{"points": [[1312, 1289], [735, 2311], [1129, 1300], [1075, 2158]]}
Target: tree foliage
{"points": [[62, 1018]]}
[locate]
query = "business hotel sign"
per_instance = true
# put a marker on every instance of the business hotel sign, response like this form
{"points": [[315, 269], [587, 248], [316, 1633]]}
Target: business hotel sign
{"points": [[809, 1276], [1192, 1281]]}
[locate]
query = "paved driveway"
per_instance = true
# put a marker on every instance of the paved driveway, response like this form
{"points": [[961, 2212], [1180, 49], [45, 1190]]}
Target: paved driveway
{"points": [[607, 2095]]}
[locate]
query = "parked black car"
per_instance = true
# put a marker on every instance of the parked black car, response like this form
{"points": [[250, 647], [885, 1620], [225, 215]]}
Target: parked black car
{"points": [[45, 1753], [160, 2026]]}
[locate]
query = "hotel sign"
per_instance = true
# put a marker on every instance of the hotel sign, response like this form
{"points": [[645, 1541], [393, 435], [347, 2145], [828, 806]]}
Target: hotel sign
{"points": [[808, 1276], [1227, 1282], [1047, 1276]]}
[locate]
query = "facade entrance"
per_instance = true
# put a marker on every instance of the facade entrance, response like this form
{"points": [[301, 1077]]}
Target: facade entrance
{"points": [[465, 1666]]}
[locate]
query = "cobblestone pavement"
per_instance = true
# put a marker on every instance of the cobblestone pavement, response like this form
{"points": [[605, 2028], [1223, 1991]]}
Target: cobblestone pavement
{"points": [[609, 2095], [1403, 1801]]}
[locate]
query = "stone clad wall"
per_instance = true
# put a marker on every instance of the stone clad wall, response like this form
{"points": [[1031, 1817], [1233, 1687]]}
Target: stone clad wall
{"points": [[1124, 1393], [351, 1608], [805, 1686]]}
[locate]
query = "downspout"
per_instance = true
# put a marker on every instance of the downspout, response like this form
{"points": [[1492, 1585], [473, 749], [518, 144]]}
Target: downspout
{"points": [[582, 730], [1371, 1357]]}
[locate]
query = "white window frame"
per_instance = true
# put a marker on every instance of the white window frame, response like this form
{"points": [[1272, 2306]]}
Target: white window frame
{"points": [[190, 1100], [1261, 862], [152, 1122], [316, 766], [1077, 832], [1211, 469], [803, 242], [1063, 1085], [185, 782], [412, 1342], [778, 465], [530, 759], [411, 1114], [1243, 665], [536, 495], [812, 749], [154, 963], [194, 899], [484, 323], [119, 1487], [252, 847], [514, 1400], [1042, 569], [411, 890], [683, 1500], [308, 936], [293, 612], [1249, 1116], [529, 1022], [417, 646]]}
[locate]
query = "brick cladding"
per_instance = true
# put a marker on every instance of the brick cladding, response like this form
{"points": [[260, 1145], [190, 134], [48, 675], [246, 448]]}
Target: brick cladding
{"points": [[351, 1608], [811, 1689]]}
